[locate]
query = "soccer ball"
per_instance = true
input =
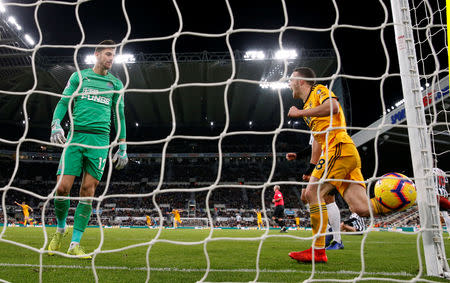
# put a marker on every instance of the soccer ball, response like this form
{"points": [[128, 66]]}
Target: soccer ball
{"points": [[395, 191]]}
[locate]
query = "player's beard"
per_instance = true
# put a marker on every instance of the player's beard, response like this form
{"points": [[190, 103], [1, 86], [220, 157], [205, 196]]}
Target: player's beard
{"points": [[107, 66]]}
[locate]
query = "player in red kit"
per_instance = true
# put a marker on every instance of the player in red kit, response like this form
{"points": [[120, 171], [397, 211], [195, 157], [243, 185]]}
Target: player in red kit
{"points": [[278, 215]]}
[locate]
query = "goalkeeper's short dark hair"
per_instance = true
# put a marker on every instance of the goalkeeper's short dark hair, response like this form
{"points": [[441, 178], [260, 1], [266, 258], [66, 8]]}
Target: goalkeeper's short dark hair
{"points": [[104, 45], [307, 73]]}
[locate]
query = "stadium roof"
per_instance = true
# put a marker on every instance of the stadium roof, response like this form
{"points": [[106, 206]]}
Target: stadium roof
{"points": [[361, 54], [198, 108], [392, 137]]}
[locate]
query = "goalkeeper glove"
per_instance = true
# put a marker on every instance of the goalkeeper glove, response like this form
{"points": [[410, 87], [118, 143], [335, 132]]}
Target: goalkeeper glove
{"points": [[121, 157], [57, 134]]}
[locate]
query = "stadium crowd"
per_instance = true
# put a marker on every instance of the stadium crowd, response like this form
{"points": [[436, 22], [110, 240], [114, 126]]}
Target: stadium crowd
{"points": [[133, 192]]}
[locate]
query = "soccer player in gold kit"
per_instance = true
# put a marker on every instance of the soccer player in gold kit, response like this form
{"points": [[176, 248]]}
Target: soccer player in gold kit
{"points": [[176, 218], [149, 221], [26, 213], [259, 219], [339, 159]]}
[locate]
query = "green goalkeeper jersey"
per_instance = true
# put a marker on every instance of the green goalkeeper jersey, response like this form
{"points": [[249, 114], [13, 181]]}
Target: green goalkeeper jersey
{"points": [[92, 111]]}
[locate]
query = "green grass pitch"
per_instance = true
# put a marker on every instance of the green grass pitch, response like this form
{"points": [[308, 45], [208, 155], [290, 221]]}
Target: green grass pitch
{"points": [[386, 254]]}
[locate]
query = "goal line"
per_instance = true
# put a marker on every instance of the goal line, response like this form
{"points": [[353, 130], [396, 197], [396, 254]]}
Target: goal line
{"points": [[174, 269]]}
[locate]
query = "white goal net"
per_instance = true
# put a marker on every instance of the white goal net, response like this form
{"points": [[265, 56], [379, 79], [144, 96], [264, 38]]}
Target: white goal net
{"points": [[208, 133]]}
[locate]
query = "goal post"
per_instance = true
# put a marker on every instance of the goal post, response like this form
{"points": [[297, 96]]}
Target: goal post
{"points": [[420, 144]]}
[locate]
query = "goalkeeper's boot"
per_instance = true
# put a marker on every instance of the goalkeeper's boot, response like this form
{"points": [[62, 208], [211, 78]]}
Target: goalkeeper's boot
{"points": [[78, 250], [307, 256], [55, 243]]}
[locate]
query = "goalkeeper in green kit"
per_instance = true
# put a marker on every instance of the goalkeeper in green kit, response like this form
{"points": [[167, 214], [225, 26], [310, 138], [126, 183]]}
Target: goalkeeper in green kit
{"points": [[91, 125]]}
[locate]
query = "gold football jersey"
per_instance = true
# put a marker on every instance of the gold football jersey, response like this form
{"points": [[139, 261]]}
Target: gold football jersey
{"points": [[318, 125]]}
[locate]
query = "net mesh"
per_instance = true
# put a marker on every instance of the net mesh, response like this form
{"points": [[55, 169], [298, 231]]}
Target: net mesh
{"points": [[430, 34]]}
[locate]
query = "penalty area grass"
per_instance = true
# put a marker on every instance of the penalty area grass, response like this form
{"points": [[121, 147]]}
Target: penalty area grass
{"points": [[232, 256]]}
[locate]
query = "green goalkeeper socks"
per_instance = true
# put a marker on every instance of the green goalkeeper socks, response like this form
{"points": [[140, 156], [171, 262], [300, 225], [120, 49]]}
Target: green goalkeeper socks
{"points": [[81, 220], [61, 211]]}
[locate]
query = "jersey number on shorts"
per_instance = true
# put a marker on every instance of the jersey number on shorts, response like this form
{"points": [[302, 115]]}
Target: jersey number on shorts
{"points": [[101, 163], [320, 164]]}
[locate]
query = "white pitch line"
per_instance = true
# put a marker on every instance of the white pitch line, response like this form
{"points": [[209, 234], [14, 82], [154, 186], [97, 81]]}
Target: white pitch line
{"points": [[174, 269]]}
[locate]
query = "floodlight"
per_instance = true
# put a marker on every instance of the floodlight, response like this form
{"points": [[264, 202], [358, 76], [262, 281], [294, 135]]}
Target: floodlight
{"points": [[274, 85], [90, 60], [12, 20], [400, 102], [2, 8], [29, 39], [286, 54], [124, 58], [254, 55]]}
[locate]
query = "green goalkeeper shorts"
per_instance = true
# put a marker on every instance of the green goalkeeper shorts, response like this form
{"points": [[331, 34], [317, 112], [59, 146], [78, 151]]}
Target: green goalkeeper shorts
{"points": [[84, 159]]}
